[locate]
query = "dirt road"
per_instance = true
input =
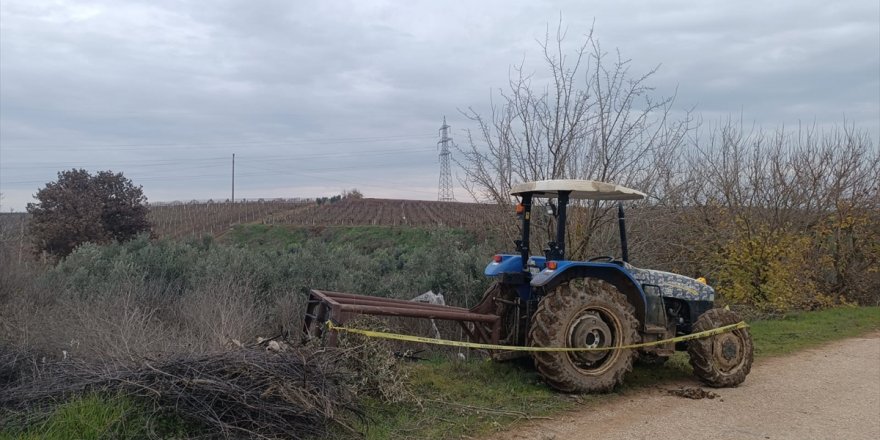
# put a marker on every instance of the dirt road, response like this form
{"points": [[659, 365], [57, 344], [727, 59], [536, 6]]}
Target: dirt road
{"points": [[832, 392]]}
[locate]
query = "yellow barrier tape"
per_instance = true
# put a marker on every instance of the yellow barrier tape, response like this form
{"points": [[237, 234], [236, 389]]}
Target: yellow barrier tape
{"points": [[424, 340]]}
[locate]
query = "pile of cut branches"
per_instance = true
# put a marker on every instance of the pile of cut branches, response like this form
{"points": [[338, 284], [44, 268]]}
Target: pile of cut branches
{"points": [[241, 393], [12, 366]]}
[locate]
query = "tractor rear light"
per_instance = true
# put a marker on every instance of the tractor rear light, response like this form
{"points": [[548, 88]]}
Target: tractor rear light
{"points": [[497, 258], [551, 265]]}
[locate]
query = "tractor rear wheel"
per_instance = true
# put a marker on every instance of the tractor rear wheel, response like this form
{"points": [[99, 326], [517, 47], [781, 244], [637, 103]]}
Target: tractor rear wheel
{"points": [[722, 360], [583, 313]]}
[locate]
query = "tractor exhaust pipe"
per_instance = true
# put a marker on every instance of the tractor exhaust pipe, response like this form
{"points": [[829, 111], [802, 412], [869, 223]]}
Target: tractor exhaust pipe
{"points": [[621, 223]]}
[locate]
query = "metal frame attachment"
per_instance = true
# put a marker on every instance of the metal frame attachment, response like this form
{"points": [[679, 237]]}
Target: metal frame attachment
{"points": [[340, 307]]}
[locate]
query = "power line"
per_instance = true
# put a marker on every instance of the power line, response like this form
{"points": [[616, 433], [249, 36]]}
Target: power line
{"points": [[168, 166], [218, 160], [212, 145], [139, 177]]}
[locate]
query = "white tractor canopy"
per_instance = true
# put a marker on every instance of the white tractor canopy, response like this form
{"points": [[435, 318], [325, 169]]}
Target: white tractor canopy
{"points": [[578, 189]]}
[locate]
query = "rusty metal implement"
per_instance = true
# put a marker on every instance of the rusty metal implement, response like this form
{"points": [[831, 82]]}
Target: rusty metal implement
{"points": [[339, 307]]}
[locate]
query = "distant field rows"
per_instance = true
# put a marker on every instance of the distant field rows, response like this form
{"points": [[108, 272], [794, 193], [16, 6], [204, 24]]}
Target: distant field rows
{"points": [[177, 220], [214, 218], [385, 212]]}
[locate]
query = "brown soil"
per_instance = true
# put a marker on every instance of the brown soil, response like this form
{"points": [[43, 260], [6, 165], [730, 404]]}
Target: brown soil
{"points": [[830, 392], [693, 393]]}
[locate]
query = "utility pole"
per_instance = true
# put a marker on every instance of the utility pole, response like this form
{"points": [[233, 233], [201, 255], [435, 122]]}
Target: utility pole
{"points": [[445, 190], [233, 177]]}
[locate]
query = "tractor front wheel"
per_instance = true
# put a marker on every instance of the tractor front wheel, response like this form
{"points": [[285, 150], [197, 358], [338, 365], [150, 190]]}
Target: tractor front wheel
{"points": [[583, 313], [722, 360]]}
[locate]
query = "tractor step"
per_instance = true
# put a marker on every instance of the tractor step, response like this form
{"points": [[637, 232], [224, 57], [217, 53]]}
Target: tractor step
{"points": [[657, 333], [655, 330]]}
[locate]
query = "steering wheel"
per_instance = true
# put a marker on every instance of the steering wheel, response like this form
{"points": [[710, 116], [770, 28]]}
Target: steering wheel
{"points": [[606, 258]]}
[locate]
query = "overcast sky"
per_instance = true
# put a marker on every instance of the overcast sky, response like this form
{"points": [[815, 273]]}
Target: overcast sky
{"points": [[316, 97]]}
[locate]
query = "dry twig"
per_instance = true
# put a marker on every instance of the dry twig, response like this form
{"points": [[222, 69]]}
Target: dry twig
{"points": [[245, 392]]}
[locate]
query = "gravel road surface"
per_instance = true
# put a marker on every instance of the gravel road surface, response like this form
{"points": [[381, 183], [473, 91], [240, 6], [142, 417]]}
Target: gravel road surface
{"points": [[830, 392]]}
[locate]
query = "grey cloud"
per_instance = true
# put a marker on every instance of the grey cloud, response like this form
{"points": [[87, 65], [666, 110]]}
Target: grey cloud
{"points": [[258, 78]]}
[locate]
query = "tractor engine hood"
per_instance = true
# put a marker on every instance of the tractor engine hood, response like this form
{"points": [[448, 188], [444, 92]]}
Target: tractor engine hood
{"points": [[673, 285]]}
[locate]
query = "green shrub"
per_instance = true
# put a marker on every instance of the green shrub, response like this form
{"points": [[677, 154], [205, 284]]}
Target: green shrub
{"points": [[770, 270], [146, 297]]}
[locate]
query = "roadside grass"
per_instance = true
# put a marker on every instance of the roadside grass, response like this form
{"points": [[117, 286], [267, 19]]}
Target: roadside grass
{"points": [[458, 398], [797, 331], [97, 416], [476, 397], [461, 398]]}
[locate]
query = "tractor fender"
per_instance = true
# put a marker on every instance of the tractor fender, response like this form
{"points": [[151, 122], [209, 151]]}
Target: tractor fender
{"points": [[608, 272], [509, 264]]}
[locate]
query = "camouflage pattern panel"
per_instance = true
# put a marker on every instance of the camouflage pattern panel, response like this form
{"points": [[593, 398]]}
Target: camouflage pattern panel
{"points": [[673, 285]]}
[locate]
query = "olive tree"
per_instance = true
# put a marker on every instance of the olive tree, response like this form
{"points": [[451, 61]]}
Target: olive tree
{"points": [[80, 207]]}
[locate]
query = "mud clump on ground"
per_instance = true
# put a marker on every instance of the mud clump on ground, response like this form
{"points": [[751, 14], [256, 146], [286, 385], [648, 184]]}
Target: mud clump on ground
{"points": [[693, 393]]}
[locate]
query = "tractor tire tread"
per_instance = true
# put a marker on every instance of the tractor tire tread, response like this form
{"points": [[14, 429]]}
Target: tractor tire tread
{"points": [[700, 351], [555, 367]]}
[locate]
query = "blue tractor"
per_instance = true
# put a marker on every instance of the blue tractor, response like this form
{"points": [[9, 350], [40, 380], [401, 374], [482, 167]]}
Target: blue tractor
{"points": [[551, 301]]}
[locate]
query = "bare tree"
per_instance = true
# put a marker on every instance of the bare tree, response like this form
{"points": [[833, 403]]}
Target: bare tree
{"points": [[589, 117]]}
